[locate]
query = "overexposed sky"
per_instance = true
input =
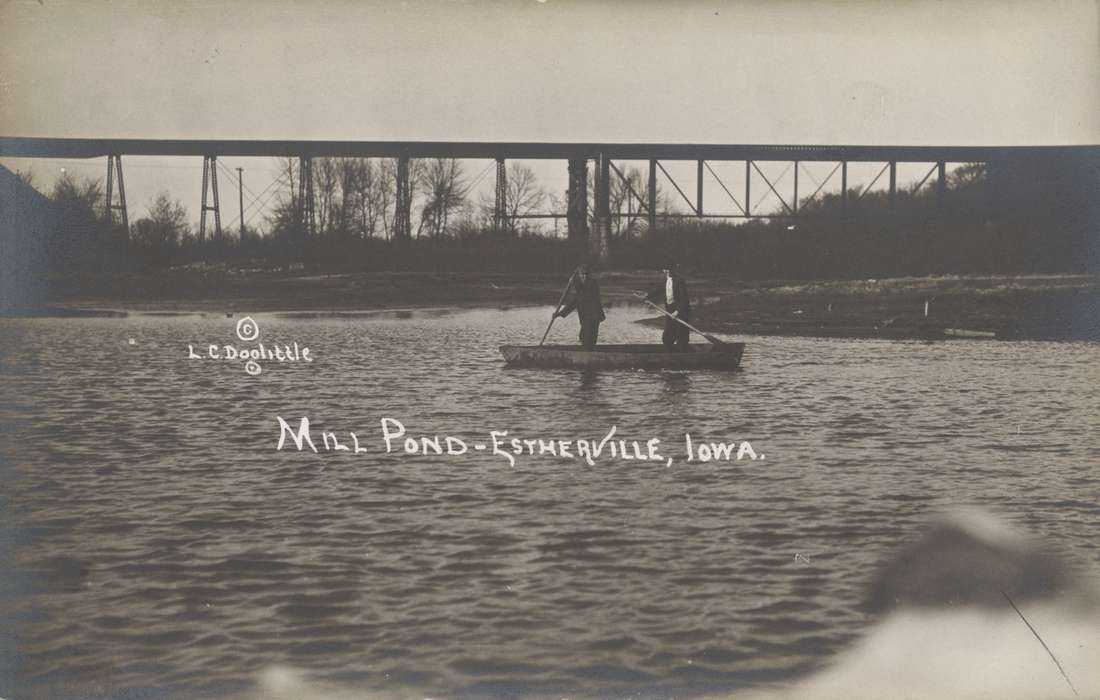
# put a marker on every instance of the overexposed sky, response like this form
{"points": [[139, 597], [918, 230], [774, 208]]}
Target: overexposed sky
{"points": [[800, 71], [686, 71]]}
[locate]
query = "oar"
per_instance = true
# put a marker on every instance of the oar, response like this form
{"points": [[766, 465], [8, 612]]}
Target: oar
{"points": [[558, 307], [708, 336]]}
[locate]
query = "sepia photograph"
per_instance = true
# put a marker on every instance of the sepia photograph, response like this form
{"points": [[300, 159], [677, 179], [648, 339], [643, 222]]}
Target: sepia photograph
{"points": [[549, 349]]}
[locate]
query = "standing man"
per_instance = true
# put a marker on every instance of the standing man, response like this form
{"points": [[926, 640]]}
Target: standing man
{"points": [[585, 298], [674, 295]]}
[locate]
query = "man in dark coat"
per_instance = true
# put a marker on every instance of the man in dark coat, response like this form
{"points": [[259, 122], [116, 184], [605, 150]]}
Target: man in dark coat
{"points": [[673, 293], [584, 296]]}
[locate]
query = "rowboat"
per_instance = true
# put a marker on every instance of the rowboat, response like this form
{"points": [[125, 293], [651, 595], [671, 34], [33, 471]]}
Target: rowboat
{"points": [[726, 356]]}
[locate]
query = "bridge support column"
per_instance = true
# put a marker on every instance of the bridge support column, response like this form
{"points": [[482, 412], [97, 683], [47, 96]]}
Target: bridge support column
{"points": [[114, 165], [210, 181], [748, 188], [941, 183], [843, 188], [893, 183], [577, 194], [699, 188], [402, 219], [794, 204], [652, 195], [307, 220], [500, 205], [601, 233]]}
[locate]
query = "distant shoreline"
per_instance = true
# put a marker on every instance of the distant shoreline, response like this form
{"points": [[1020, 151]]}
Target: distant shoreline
{"points": [[1035, 307]]}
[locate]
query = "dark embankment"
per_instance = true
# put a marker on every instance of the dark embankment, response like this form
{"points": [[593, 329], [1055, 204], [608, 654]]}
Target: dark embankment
{"points": [[1033, 307]]}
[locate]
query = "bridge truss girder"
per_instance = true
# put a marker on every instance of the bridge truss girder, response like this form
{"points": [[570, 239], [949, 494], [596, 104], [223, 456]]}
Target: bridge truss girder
{"points": [[577, 214], [746, 208]]}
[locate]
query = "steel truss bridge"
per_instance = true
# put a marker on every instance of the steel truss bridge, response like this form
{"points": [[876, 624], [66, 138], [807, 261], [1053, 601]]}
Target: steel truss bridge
{"points": [[577, 156]]}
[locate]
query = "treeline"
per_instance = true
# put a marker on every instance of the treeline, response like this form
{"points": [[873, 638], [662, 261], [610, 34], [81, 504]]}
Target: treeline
{"points": [[354, 206], [356, 198], [981, 225]]}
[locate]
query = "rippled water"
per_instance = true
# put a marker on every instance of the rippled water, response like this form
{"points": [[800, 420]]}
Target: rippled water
{"points": [[159, 542]]}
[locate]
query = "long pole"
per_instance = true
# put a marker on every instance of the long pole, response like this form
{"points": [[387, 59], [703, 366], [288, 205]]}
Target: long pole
{"points": [[708, 336], [240, 190], [1052, 657], [557, 308]]}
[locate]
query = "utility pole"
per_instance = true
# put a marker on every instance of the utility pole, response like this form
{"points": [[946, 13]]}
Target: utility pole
{"points": [[240, 191]]}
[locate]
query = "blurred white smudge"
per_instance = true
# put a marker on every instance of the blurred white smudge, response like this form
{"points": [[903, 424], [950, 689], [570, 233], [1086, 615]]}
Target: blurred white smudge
{"points": [[940, 635]]}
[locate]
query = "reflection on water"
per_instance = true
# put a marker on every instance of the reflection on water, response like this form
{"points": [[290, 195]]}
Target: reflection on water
{"points": [[160, 542]]}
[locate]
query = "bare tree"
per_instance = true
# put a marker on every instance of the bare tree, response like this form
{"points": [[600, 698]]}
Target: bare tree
{"points": [[523, 196], [417, 167], [374, 197], [365, 194], [627, 199], [415, 178], [159, 234], [326, 186], [558, 203], [283, 218], [445, 192], [84, 195], [385, 194], [348, 174], [335, 186]]}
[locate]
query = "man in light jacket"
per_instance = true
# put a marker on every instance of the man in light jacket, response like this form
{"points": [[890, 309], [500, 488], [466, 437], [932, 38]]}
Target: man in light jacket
{"points": [[674, 295]]}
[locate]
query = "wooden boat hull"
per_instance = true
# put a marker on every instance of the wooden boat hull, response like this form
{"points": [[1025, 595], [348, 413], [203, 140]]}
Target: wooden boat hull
{"points": [[701, 356]]}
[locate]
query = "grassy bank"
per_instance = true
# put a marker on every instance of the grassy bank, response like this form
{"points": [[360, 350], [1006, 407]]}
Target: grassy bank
{"points": [[1062, 307], [1020, 307]]}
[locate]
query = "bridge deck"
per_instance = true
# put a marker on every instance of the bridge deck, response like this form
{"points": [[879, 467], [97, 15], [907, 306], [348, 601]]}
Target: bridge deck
{"points": [[33, 147]]}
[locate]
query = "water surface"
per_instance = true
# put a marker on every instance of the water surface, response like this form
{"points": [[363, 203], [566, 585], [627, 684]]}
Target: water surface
{"points": [[156, 541]]}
